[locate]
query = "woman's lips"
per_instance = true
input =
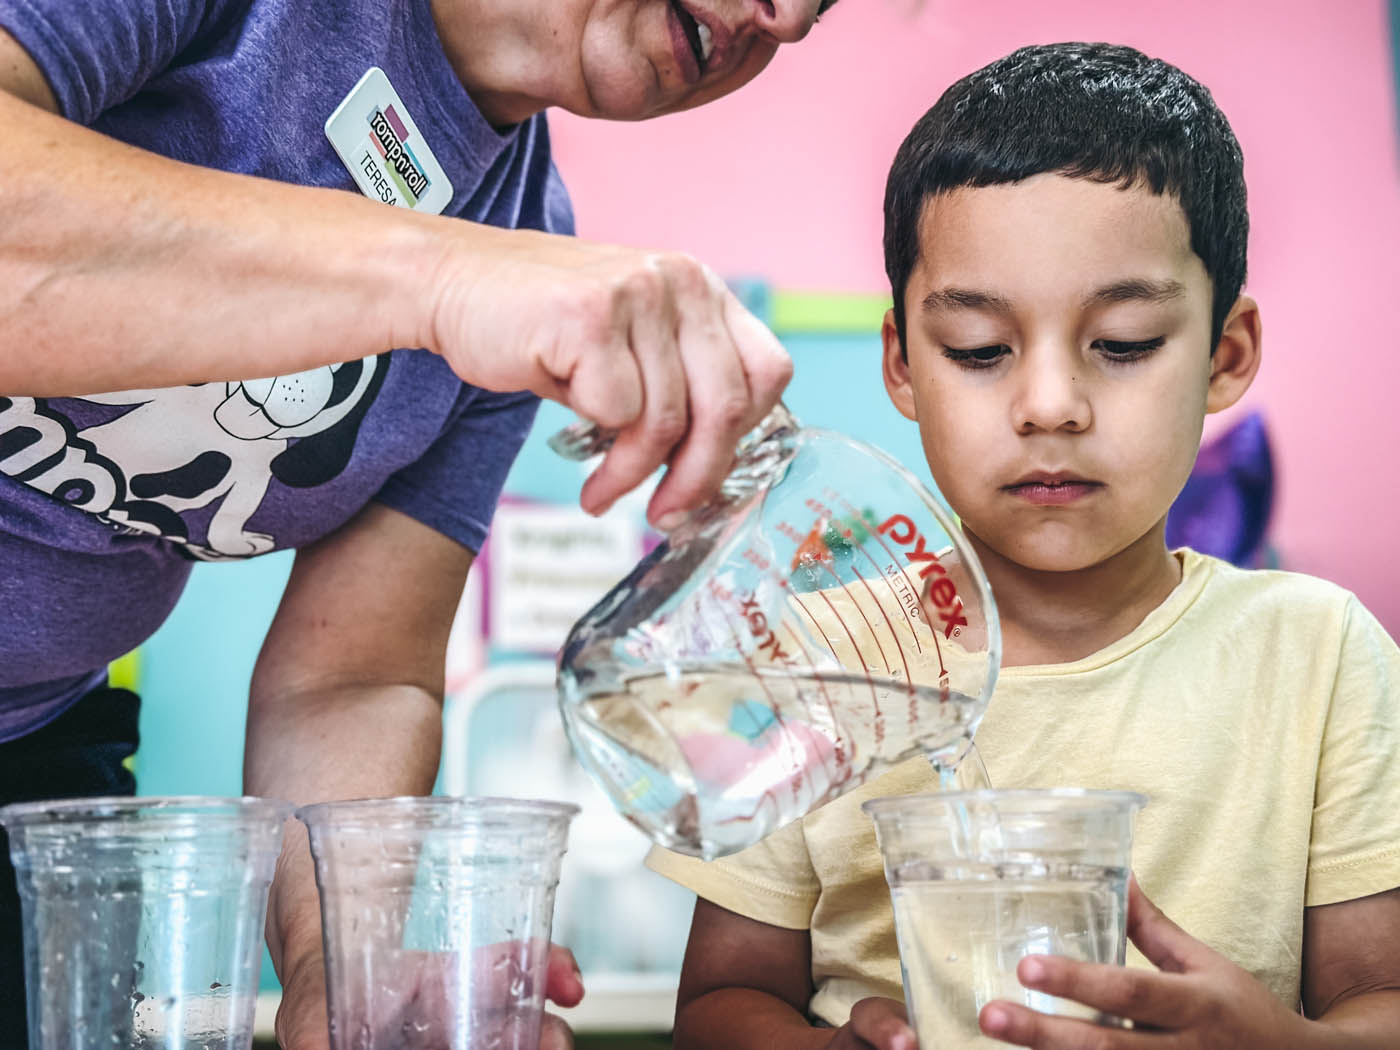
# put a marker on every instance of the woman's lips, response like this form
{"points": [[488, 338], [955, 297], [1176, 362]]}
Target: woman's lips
{"points": [[1053, 493], [680, 47]]}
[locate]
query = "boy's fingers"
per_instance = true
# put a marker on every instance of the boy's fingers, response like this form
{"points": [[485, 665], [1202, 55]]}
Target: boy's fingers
{"points": [[1014, 1023], [1166, 945], [1161, 1000]]}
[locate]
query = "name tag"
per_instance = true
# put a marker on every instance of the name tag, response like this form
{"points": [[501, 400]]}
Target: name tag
{"points": [[380, 145]]}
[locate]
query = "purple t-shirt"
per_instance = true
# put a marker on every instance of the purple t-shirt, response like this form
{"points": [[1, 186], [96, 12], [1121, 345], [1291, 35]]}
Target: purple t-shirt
{"points": [[106, 500]]}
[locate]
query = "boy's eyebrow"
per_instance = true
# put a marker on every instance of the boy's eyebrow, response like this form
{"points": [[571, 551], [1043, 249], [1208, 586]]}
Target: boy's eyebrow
{"points": [[1131, 289], [965, 299], [1136, 289]]}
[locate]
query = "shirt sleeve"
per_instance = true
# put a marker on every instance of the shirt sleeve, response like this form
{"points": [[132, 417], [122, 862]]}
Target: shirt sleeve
{"points": [[453, 487], [98, 53], [1355, 849], [772, 882]]}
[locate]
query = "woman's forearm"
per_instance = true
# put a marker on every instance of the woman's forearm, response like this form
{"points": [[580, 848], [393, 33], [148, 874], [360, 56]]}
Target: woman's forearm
{"points": [[121, 269], [345, 742]]}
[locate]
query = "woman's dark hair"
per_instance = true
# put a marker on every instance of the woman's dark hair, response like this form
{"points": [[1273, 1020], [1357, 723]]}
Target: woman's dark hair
{"points": [[1093, 111]]}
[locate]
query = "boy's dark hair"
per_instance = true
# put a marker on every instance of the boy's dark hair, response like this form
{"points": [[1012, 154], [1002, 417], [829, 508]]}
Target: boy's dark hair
{"points": [[1094, 111]]}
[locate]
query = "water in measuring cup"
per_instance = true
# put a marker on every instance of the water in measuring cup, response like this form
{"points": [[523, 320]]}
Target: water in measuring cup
{"points": [[961, 938], [711, 760]]}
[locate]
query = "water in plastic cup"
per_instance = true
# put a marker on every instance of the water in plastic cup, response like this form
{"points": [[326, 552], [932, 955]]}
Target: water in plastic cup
{"points": [[436, 915], [143, 918], [981, 879]]}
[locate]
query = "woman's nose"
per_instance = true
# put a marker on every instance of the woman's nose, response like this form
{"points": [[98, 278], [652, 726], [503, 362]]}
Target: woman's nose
{"points": [[787, 21]]}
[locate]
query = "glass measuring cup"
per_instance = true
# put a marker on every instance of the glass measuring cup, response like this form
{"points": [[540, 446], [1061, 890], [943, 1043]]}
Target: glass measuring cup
{"points": [[143, 918], [981, 879], [436, 916], [819, 620]]}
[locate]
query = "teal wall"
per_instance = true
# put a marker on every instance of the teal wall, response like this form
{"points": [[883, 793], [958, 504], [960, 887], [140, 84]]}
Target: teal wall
{"points": [[1395, 54]]}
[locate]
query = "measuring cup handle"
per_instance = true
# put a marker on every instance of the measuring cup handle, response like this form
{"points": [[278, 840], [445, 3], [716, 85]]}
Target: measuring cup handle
{"points": [[586, 439]]}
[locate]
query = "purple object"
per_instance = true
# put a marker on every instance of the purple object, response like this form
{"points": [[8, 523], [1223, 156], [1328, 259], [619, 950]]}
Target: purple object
{"points": [[1225, 507]]}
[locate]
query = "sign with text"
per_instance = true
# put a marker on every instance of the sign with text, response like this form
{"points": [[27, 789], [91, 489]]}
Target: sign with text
{"points": [[547, 566]]}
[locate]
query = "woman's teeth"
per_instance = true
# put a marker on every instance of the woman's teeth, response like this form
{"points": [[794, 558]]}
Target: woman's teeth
{"points": [[707, 40]]}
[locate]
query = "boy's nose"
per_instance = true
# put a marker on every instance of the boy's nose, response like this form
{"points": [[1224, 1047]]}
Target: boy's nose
{"points": [[1052, 395], [786, 21]]}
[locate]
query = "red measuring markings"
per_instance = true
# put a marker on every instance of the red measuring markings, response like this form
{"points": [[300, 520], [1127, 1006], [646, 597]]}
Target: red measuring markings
{"points": [[942, 591]]}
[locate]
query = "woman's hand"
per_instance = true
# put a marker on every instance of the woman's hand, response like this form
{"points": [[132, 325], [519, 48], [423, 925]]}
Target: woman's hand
{"points": [[1198, 1001], [650, 345], [302, 1015]]}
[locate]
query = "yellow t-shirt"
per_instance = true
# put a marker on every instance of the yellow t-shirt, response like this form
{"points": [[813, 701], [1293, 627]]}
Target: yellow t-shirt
{"points": [[1259, 712]]}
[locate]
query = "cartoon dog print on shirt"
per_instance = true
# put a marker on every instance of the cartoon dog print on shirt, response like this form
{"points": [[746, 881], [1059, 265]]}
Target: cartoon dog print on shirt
{"points": [[185, 448]]}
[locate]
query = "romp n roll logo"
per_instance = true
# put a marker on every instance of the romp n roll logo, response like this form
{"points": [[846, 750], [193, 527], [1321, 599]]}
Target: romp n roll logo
{"points": [[390, 137]]}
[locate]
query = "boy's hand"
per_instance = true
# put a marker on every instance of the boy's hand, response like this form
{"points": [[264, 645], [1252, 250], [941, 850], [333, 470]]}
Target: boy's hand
{"points": [[876, 1024], [1200, 1000]]}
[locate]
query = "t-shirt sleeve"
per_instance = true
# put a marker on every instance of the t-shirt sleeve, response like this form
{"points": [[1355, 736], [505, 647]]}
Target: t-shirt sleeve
{"points": [[98, 53], [772, 882], [1355, 848], [453, 487]]}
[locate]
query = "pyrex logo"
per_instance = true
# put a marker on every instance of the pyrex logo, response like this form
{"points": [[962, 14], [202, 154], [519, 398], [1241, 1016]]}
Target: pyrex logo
{"points": [[760, 629], [942, 592], [390, 137]]}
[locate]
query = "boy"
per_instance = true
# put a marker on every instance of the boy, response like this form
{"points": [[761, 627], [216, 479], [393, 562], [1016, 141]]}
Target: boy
{"points": [[1065, 237]]}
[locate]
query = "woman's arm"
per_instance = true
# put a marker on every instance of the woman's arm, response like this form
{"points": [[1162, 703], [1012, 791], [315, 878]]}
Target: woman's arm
{"points": [[122, 269]]}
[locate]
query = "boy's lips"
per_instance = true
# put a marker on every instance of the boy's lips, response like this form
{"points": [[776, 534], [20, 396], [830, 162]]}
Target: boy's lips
{"points": [[1046, 488]]}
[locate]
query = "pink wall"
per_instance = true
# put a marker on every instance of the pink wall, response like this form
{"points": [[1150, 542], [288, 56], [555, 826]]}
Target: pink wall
{"points": [[784, 180]]}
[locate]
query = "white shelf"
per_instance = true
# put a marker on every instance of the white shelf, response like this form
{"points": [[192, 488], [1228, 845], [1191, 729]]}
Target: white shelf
{"points": [[621, 1002]]}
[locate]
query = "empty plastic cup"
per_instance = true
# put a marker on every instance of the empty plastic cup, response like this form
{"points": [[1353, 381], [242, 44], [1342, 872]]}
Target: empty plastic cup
{"points": [[143, 918], [436, 916], [981, 879]]}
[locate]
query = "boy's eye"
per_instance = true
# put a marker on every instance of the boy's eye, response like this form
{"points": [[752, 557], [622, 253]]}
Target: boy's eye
{"points": [[976, 357], [1118, 351]]}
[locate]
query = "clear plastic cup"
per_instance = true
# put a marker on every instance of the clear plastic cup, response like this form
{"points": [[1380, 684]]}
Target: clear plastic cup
{"points": [[981, 879], [436, 917], [143, 918]]}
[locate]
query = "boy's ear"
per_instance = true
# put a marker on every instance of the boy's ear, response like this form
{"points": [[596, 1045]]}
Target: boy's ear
{"points": [[1236, 357], [898, 383]]}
